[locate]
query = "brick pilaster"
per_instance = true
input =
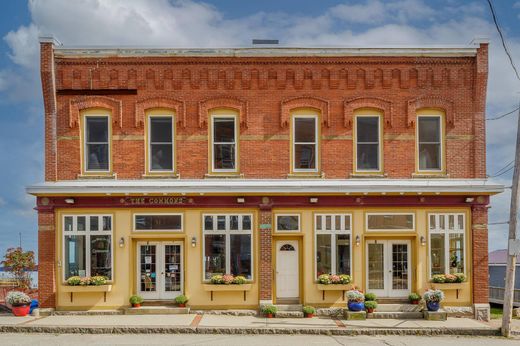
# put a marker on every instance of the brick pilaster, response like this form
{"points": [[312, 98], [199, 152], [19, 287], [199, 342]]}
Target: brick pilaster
{"points": [[479, 219], [46, 259], [265, 265]]}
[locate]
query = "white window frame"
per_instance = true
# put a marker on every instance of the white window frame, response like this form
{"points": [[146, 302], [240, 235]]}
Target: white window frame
{"points": [[134, 218], [441, 142], [389, 229], [235, 142], [379, 143], [87, 233], [149, 149], [284, 230], [85, 142], [332, 232], [446, 232], [315, 143], [227, 232]]}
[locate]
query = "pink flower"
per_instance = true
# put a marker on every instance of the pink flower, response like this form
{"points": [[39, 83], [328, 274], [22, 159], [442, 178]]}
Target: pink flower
{"points": [[228, 279], [335, 279]]}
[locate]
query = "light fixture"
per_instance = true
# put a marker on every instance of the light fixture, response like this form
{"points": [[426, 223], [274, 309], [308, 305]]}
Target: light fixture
{"points": [[470, 199], [193, 241], [121, 242], [69, 200], [358, 240], [241, 200], [423, 240], [313, 199]]}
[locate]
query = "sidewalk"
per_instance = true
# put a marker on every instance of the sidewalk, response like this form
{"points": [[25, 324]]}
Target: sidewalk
{"points": [[217, 324]]}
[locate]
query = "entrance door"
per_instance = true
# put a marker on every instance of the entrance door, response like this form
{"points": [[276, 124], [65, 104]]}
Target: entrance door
{"points": [[388, 267], [287, 270], [159, 272]]}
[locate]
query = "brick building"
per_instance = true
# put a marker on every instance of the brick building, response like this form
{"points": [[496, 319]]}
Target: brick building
{"points": [[164, 167]]}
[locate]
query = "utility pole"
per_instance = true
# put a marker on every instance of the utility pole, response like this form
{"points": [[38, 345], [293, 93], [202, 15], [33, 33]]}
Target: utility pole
{"points": [[513, 243]]}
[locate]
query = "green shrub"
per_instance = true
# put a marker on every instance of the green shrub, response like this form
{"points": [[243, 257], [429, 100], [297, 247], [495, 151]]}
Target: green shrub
{"points": [[182, 299], [370, 304], [414, 297], [269, 309], [135, 299], [433, 296], [355, 296], [309, 309], [370, 297]]}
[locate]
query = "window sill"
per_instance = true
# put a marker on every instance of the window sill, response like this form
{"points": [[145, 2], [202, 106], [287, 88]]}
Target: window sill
{"points": [[334, 287], [99, 288], [428, 175], [224, 175], [97, 176], [306, 175], [232, 287], [161, 176], [376, 175]]}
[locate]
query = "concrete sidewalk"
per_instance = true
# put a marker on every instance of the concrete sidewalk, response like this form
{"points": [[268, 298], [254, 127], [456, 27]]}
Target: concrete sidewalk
{"points": [[218, 324]]}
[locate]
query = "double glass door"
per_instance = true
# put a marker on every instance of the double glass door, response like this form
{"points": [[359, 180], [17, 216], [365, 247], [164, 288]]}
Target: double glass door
{"points": [[159, 267], [388, 267]]}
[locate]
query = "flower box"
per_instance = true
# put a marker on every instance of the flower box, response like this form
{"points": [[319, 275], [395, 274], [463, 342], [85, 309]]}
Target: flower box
{"points": [[227, 288], [450, 286], [86, 289], [333, 287]]}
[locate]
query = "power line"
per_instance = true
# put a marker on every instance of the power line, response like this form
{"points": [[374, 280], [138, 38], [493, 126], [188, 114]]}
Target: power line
{"points": [[502, 39], [498, 223], [503, 115], [502, 173], [501, 169]]}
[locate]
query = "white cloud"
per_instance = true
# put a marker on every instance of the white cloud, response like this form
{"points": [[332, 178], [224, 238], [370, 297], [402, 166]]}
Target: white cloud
{"points": [[2, 202]]}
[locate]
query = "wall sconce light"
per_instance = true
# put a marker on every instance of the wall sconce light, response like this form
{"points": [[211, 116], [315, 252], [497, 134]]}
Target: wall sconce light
{"points": [[469, 199], [241, 200], [358, 240], [313, 199], [193, 241], [423, 240], [69, 200], [121, 242]]}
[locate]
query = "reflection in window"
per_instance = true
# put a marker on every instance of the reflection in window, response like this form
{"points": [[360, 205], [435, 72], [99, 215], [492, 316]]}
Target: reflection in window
{"points": [[390, 221], [367, 142], [224, 143], [96, 143], [158, 222], [429, 141], [305, 143], [287, 222], [447, 243], [333, 247], [161, 143], [214, 254]]}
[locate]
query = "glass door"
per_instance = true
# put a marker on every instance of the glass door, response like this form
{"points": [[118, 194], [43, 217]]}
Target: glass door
{"points": [[172, 271], [147, 267]]}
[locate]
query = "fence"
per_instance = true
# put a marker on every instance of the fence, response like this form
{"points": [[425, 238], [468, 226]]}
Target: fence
{"points": [[496, 295]]}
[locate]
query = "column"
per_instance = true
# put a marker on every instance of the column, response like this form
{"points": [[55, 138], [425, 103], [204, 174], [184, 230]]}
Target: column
{"points": [[46, 259], [479, 220], [265, 265]]}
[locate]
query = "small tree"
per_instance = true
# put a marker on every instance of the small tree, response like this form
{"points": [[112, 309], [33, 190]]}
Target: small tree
{"points": [[19, 263]]}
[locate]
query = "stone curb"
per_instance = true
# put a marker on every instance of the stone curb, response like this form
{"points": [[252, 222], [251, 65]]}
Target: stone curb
{"points": [[246, 330]]}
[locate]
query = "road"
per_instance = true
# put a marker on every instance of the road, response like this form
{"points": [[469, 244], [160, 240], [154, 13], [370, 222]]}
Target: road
{"points": [[249, 340]]}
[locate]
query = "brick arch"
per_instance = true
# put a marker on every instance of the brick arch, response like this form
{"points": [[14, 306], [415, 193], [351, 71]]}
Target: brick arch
{"points": [[78, 104], [382, 105], [223, 102], [437, 102], [288, 105], [143, 105]]}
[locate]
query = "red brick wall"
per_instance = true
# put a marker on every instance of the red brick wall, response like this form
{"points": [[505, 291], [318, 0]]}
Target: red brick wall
{"points": [[46, 259], [479, 220], [261, 86], [266, 262]]}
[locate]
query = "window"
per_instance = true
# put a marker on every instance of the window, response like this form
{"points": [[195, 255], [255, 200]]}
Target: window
{"points": [[97, 145], [390, 221], [447, 255], [224, 139], [158, 222], [305, 143], [290, 222], [429, 142], [161, 148], [368, 148], [333, 244], [228, 245], [87, 245]]}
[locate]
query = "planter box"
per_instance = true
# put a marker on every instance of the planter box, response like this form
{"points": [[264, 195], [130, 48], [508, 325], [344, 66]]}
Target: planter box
{"points": [[333, 287], [227, 288], [450, 286], [86, 289]]}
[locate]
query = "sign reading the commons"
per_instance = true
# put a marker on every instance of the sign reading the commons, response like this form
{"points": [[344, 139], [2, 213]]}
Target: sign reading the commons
{"points": [[156, 200]]}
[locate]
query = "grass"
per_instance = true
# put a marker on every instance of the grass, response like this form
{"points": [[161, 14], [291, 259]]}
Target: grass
{"points": [[496, 312]]}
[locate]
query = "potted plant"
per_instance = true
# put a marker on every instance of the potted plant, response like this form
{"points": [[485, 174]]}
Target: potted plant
{"points": [[370, 297], [414, 298], [355, 300], [433, 299], [20, 302], [181, 300], [269, 310], [309, 311], [370, 306], [136, 301]]}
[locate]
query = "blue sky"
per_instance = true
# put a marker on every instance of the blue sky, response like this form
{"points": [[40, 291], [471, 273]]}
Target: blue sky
{"points": [[231, 23]]}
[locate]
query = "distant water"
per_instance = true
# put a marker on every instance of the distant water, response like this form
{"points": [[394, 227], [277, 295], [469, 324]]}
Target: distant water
{"points": [[34, 277]]}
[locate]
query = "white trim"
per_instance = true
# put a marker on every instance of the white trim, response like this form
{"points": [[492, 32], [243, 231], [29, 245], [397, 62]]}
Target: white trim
{"points": [[389, 229], [149, 144], [332, 233], [108, 143], [235, 142], [315, 143], [441, 141], [379, 143], [287, 230], [296, 245], [334, 186], [134, 228]]}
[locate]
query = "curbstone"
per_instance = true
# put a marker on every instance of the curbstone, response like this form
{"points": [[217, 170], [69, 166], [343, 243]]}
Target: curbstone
{"points": [[355, 315]]}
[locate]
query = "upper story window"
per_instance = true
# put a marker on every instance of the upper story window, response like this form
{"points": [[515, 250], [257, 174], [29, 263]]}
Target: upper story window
{"points": [[368, 143], [305, 143], [161, 143], [430, 143], [224, 143], [96, 142]]}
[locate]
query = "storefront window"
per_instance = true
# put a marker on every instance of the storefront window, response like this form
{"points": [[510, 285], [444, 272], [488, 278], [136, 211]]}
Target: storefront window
{"points": [[228, 245], [446, 243], [287, 223], [333, 245]]}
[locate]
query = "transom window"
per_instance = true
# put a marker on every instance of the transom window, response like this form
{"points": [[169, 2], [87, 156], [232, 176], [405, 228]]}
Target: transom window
{"points": [[224, 139], [97, 143], [333, 243], [287, 222], [158, 222], [228, 245], [368, 146], [87, 245], [429, 142], [161, 148], [390, 221], [305, 143], [447, 253]]}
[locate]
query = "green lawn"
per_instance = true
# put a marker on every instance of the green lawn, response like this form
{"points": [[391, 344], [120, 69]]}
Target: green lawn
{"points": [[496, 312]]}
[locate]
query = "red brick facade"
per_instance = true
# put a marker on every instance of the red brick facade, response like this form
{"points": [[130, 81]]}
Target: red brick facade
{"points": [[479, 234], [46, 259]]}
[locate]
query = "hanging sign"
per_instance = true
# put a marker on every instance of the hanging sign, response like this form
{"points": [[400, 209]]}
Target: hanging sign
{"points": [[165, 200]]}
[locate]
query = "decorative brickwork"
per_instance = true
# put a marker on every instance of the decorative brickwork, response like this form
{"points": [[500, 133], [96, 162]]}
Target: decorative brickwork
{"points": [[230, 102], [479, 227], [85, 102], [384, 106], [265, 265], [320, 105], [143, 105], [46, 259], [441, 103]]}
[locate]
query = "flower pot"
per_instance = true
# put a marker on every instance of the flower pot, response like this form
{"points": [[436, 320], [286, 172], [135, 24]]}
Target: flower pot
{"points": [[356, 306], [415, 302], [269, 315], [309, 315], [182, 305], [137, 305], [432, 306], [370, 310], [21, 310]]}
